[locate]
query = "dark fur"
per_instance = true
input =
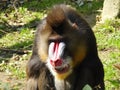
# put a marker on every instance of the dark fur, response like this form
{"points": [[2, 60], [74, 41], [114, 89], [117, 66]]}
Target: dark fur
{"points": [[89, 71]]}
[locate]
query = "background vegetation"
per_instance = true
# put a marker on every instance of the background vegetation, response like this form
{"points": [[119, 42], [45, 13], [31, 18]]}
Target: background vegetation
{"points": [[18, 23]]}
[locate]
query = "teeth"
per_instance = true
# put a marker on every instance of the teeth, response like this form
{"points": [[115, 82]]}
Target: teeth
{"points": [[58, 67], [61, 67]]}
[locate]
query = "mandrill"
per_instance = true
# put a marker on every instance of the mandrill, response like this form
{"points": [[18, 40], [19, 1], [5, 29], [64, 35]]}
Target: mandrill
{"points": [[64, 55]]}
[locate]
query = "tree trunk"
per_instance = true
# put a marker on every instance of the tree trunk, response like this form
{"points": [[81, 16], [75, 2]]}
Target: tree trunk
{"points": [[111, 9]]}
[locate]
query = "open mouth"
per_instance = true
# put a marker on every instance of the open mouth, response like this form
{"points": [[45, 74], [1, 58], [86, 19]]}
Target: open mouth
{"points": [[62, 69]]}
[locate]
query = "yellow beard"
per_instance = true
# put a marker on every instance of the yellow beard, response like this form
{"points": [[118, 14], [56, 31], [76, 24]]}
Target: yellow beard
{"points": [[63, 76]]}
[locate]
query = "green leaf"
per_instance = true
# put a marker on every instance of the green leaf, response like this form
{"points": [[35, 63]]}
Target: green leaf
{"points": [[87, 87]]}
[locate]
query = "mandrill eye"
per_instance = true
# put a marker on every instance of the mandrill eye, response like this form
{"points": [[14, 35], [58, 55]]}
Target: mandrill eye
{"points": [[56, 38]]}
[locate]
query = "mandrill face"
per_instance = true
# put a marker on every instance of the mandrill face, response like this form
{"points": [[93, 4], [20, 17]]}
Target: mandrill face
{"points": [[60, 51], [59, 64]]}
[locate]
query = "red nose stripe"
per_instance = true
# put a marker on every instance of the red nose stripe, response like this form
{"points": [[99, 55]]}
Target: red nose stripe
{"points": [[56, 61], [56, 49]]}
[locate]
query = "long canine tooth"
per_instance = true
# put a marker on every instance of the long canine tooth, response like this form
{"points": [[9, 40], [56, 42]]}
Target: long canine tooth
{"points": [[60, 49], [51, 50]]}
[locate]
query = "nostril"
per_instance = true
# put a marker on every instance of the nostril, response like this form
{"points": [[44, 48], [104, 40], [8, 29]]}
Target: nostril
{"points": [[57, 62]]}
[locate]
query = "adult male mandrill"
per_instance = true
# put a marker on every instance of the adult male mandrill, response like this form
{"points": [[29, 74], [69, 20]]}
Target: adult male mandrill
{"points": [[65, 55]]}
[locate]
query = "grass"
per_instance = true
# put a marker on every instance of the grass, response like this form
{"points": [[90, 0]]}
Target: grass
{"points": [[108, 34], [108, 39], [17, 27]]}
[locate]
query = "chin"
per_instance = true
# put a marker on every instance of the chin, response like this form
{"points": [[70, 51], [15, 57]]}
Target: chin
{"points": [[61, 72]]}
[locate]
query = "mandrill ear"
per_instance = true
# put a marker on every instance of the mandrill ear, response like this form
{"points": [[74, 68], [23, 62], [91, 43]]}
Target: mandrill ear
{"points": [[74, 25]]}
